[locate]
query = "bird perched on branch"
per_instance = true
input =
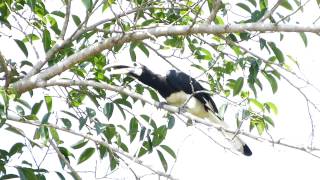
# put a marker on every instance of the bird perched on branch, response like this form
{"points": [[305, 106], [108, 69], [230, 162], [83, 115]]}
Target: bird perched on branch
{"points": [[181, 90]]}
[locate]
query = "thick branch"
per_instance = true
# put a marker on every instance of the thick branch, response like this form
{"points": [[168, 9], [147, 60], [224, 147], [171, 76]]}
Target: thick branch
{"points": [[29, 83]]}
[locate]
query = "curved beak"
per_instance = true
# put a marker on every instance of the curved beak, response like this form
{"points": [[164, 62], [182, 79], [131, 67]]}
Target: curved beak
{"points": [[117, 68]]}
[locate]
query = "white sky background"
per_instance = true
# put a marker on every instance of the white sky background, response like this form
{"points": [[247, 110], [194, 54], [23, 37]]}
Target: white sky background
{"points": [[200, 158]]}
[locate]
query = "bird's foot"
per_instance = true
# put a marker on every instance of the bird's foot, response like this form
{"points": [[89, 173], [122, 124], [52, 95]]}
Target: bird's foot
{"points": [[161, 105], [182, 109]]}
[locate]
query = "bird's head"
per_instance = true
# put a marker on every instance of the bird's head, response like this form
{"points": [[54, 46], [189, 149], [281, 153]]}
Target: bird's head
{"points": [[133, 69]]}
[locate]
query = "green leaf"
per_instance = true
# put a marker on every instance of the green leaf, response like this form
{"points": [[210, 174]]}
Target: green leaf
{"points": [[253, 2], [169, 150], [132, 53], [45, 118], [263, 4], [238, 86], [67, 123], [142, 133], [55, 135], [244, 6], [159, 135], [48, 100], [318, 2], [109, 132], [90, 112], [163, 160], [102, 151], [171, 121], [154, 95], [76, 20], [16, 148], [85, 155], [88, 4], [58, 13], [36, 107], [286, 5], [272, 81], [260, 128], [22, 46], [20, 110], [46, 40], [80, 144], [133, 129], [108, 110], [82, 122], [277, 52], [143, 49], [9, 176], [304, 38], [268, 120], [272, 106], [256, 103], [26, 173]]}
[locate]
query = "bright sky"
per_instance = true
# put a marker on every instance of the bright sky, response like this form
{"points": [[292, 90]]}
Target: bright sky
{"points": [[200, 158]]}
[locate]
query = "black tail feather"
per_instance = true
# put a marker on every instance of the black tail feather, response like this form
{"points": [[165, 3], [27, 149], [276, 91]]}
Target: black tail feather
{"points": [[246, 150]]}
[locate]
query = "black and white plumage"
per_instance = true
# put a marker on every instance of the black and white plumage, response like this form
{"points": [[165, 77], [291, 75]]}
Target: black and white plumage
{"points": [[177, 88]]}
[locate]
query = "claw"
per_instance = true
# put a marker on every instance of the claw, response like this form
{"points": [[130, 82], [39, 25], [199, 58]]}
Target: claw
{"points": [[161, 105], [182, 109]]}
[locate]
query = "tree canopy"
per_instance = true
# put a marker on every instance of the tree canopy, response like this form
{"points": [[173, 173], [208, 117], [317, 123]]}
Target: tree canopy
{"points": [[55, 84]]}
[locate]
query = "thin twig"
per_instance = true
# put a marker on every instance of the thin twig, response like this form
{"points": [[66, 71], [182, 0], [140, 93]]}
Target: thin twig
{"points": [[269, 13], [117, 150], [66, 20], [214, 11], [74, 174]]}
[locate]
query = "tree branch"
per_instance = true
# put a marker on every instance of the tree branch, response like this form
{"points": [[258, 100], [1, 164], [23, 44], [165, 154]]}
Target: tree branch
{"points": [[214, 11], [74, 174], [117, 150], [66, 20], [138, 35], [173, 109]]}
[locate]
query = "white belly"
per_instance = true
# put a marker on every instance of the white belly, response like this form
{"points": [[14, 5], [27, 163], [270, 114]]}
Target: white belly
{"points": [[194, 106]]}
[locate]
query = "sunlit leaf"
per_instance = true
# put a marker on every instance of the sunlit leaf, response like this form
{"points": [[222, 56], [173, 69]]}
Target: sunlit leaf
{"points": [[256, 103], [48, 100], [286, 4]]}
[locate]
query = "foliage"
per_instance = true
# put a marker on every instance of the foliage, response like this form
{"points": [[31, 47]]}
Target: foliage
{"points": [[38, 27]]}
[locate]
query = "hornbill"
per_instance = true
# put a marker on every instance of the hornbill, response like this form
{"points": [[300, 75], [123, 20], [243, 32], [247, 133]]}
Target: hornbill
{"points": [[180, 89]]}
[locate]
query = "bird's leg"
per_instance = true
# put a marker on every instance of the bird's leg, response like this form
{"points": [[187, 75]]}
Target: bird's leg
{"points": [[161, 104]]}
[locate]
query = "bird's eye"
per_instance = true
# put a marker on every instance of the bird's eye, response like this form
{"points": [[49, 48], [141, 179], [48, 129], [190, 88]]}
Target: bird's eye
{"points": [[135, 64]]}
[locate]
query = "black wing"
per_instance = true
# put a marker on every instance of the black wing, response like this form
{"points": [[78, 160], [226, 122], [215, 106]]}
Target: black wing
{"points": [[183, 82]]}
